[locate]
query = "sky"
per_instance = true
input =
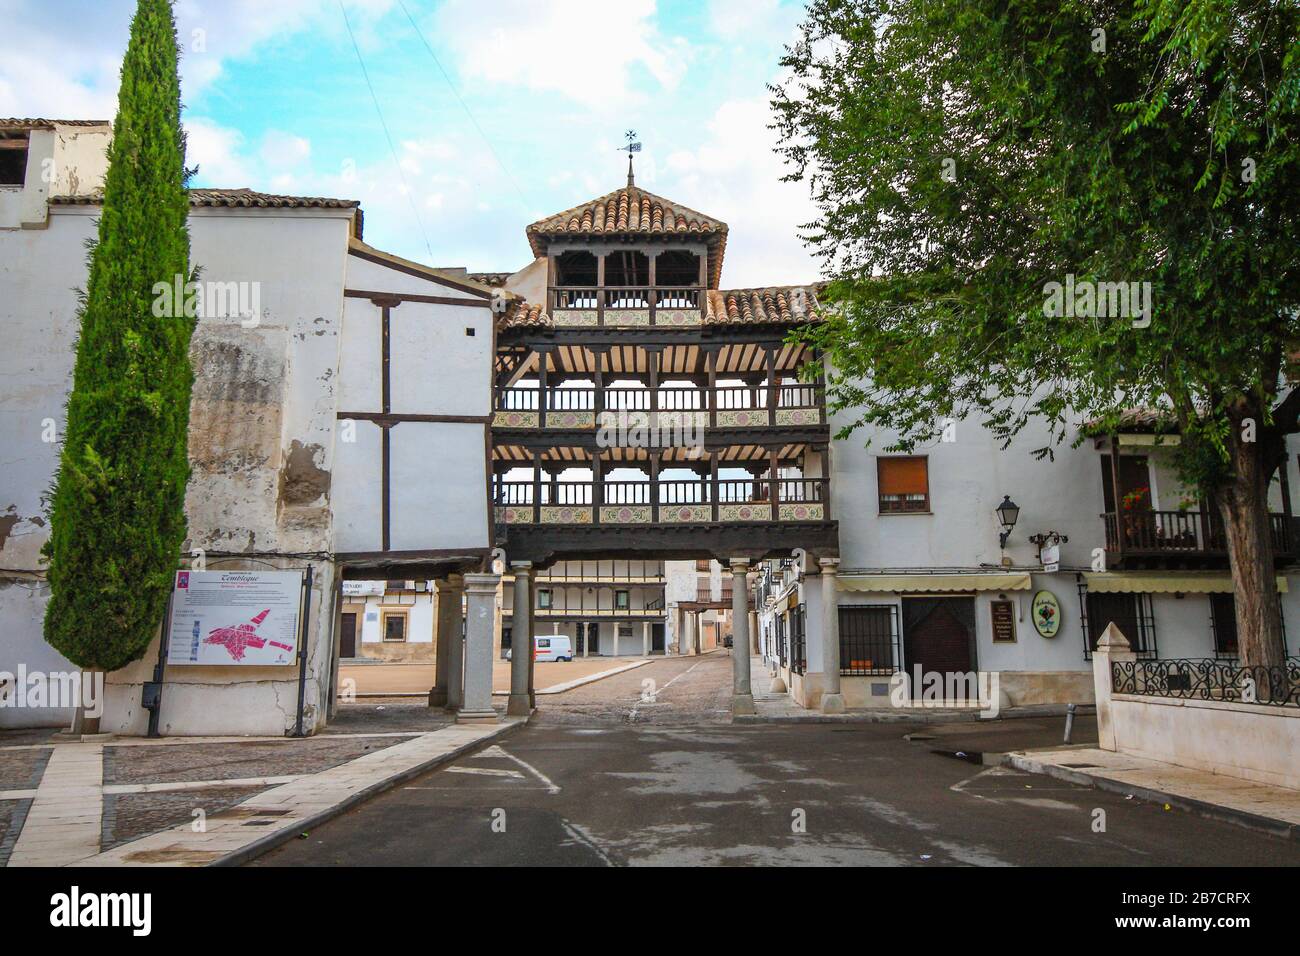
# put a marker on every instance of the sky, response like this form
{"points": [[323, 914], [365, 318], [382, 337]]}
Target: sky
{"points": [[514, 110]]}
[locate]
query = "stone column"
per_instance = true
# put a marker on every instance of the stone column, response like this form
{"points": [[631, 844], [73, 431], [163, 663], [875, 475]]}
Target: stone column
{"points": [[742, 696], [1112, 648], [645, 639], [754, 648], [481, 593], [586, 638], [447, 655], [521, 640], [832, 699], [616, 630]]}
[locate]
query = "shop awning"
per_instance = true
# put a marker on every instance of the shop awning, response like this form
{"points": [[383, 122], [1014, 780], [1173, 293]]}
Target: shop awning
{"points": [[1165, 582], [904, 583]]}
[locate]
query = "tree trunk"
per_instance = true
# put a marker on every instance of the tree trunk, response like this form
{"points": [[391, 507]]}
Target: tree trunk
{"points": [[83, 723], [1243, 504]]}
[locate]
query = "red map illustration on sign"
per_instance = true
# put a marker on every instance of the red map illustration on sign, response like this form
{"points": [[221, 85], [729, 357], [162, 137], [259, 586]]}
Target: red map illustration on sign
{"points": [[238, 639]]}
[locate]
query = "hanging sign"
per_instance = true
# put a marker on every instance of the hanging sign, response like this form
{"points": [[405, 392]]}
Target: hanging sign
{"points": [[1050, 555], [1004, 621], [1046, 612], [235, 618]]}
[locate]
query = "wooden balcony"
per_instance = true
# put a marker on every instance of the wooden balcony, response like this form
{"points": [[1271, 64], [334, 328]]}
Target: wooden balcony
{"points": [[626, 307], [667, 407], [687, 502], [1176, 538]]}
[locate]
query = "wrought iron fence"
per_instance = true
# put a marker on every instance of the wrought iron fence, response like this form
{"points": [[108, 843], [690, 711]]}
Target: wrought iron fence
{"points": [[1209, 679]]}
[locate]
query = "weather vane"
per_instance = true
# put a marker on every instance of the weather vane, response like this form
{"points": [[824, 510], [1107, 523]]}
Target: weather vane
{"points": [[632, 147]]}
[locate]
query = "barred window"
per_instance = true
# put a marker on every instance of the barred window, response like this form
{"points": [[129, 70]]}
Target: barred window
{"points": [[868, 639]]}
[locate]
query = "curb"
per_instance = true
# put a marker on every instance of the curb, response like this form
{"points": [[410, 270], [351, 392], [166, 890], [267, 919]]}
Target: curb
{"points": [[1212, 811], [552, 689], [271, 840], [920, 716]]}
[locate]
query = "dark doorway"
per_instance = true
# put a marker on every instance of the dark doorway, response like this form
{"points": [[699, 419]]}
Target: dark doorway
{"points": [[593, 637], [348, 637], [1134, 483], [656, 639], [938, 636]]}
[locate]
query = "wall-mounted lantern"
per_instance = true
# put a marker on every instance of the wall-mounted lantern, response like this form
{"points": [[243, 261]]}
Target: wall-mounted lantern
{"points": [[1008, 514]]}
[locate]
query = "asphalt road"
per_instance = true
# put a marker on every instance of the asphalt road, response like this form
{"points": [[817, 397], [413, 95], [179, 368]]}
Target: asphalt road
{"points": [[604, 778]]}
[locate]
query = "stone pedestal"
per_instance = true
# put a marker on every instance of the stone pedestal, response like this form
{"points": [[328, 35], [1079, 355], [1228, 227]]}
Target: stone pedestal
{"points": [[480, 593], [832, 699]]}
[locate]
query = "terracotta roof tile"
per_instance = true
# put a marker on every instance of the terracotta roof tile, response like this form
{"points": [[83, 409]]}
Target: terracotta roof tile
{"points": [[521, 314], [21, 123], [631, 211], [232, 198], [777, 305], [490, 279]]}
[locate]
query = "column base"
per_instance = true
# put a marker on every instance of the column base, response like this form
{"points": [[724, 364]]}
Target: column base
{"points": [[832, 703], [478, 717], [437, 697], [778, 685], [742, 705], [519, 705]]}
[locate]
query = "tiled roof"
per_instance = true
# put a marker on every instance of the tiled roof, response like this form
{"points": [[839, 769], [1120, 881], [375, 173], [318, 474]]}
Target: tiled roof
{"points": [[20, 123], [233, 198], [631, 211], [490, 279], [1143, 421], [521, 314], [784, 304]]}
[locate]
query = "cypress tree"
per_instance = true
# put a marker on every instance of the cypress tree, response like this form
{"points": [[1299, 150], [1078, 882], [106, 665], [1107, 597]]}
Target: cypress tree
{"points": [[117, 505]]}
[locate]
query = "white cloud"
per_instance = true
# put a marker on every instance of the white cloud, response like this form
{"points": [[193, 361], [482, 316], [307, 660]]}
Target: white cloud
{"points": [[735, 176], [587, 50], [282, 151]]}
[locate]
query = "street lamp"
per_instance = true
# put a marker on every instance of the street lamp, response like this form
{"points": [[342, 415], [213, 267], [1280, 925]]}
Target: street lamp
{"points": [[1008, 513]]}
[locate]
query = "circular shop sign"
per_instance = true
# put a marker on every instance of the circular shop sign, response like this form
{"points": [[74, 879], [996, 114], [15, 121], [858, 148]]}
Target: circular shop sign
{"points": [[1046, 612]]}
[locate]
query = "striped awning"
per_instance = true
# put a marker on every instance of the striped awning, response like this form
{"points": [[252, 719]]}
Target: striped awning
{"points": [[1165, 582], [905, 583]]}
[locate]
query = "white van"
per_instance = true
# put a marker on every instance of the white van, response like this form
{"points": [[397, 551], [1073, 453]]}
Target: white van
{"points": [[552, 647]]}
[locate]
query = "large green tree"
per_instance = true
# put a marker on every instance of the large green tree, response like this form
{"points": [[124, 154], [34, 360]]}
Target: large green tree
{"points": [[965, 154], [117, 505]]}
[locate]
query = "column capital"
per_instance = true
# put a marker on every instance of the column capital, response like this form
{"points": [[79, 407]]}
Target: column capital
{"points": [[453, 582], [484, 581], [829, 564], [738, 565], [524, 566]]}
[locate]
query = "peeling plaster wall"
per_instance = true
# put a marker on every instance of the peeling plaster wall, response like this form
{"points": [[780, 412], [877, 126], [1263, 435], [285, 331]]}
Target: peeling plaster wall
{"points": [[261, 442]]}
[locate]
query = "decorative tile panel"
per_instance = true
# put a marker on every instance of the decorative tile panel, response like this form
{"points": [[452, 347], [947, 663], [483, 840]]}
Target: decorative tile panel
{"points": [[570, 318], [625, 514], [798, 416], [799, 511], [682, 514], [566, 514], [575, 419], [685, 419], [678, 317], [749, 511], [626, 318], [515, 515], [742, 417], [514, 420]]}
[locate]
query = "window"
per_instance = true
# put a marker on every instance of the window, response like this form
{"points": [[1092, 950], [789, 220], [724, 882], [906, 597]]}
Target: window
{"points": [[868, 639], [544, 598], [1223, 625], [904, 483], [621, 600], [13, 161], [394, 626], [1131, 613], [543, 643]]}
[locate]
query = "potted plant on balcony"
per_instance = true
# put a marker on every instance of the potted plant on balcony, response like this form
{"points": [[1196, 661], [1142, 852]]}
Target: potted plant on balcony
{"points": [[1136, 506]]}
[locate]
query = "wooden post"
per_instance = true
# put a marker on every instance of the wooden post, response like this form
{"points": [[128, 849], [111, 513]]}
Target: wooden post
{"points": [[597, 492], [652, 362], [654, 488], [776, 480], [1120, 532], [537, 488], [600, 291], [711, 360], [598, 379], [772, 393], [713, 483], [653, 296], [543, 358]]}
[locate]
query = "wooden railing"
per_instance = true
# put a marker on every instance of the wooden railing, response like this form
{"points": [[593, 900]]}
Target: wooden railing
{"points": [[691, 500], [1179, 532], [726, 406], [640, 298]]}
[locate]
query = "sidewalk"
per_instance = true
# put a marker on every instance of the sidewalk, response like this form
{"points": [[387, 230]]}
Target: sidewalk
{"points": [[388, 679], [201, 801], [1232, 799]]}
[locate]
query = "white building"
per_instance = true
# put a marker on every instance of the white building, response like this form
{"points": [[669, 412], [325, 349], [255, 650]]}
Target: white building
{"points": [[317, 435]]}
